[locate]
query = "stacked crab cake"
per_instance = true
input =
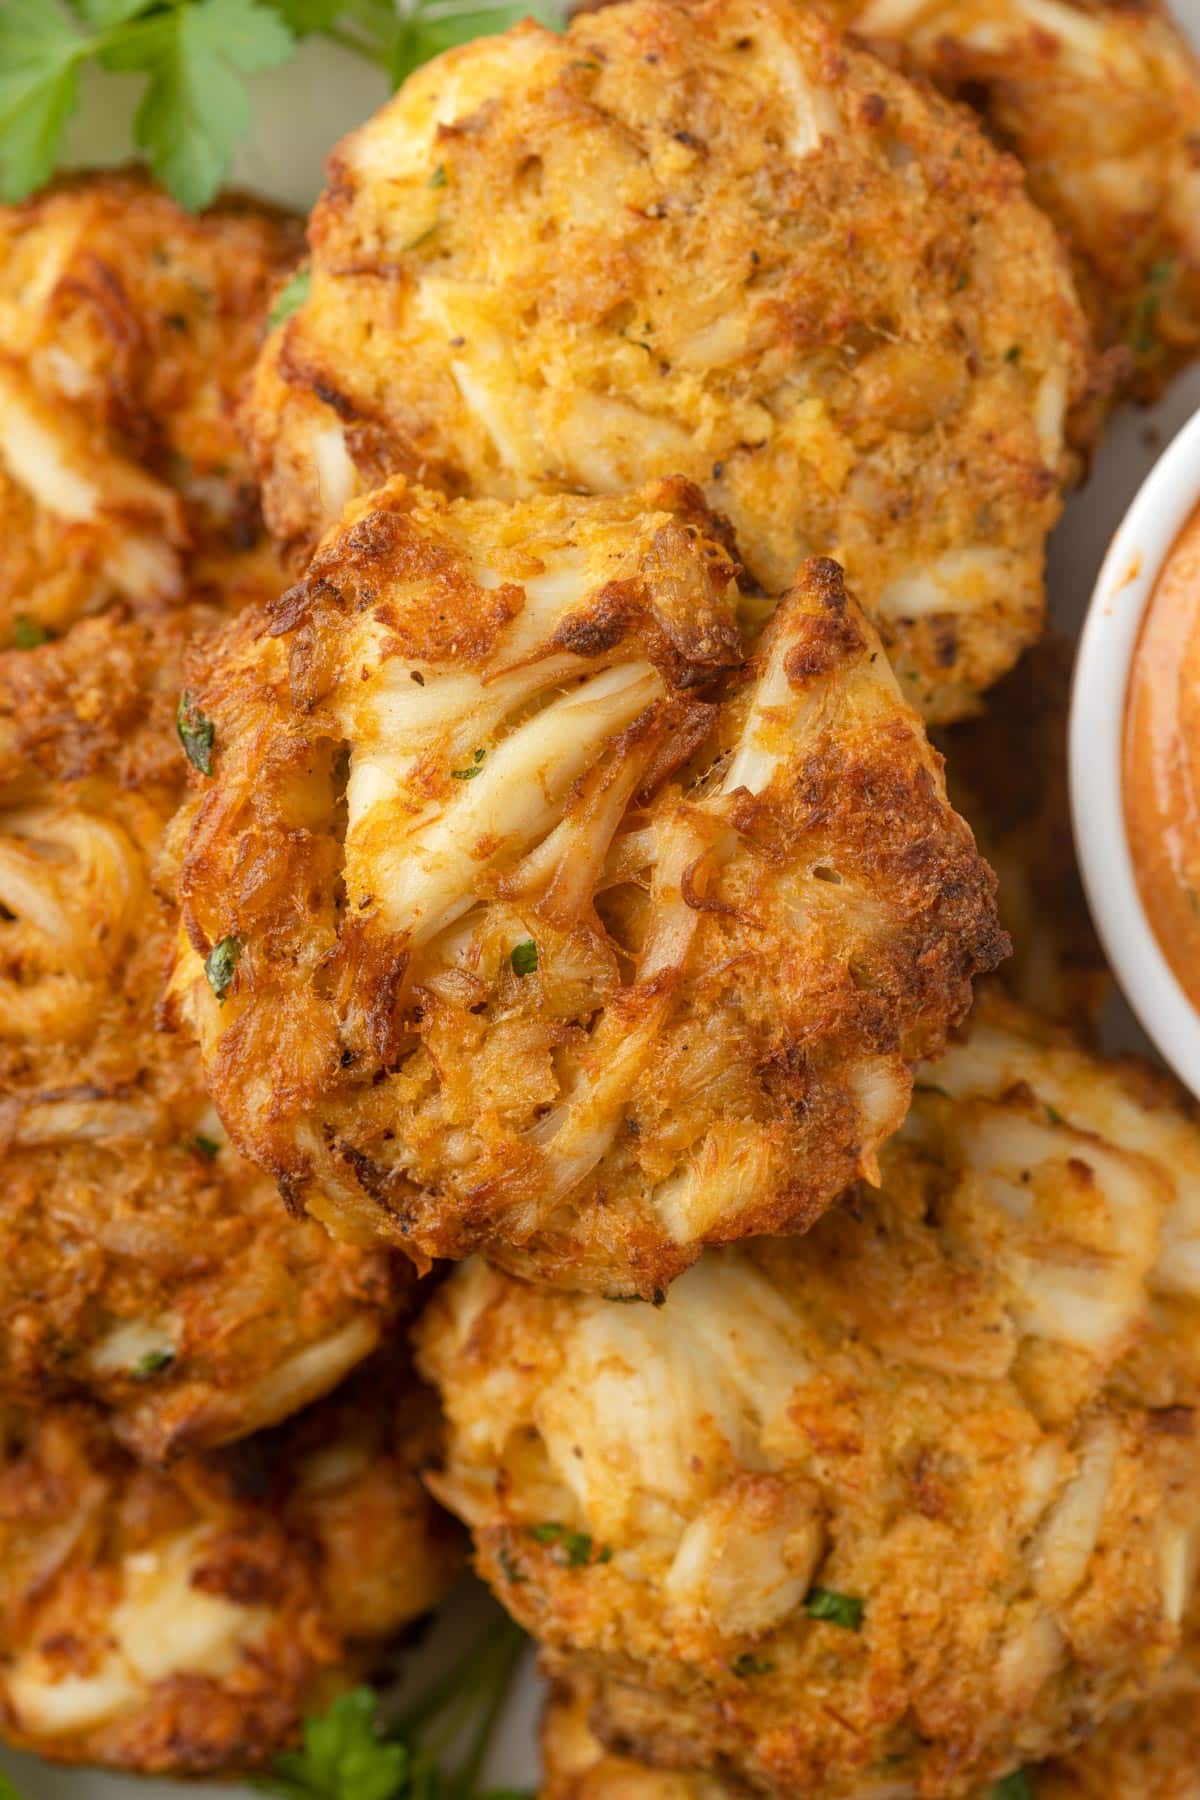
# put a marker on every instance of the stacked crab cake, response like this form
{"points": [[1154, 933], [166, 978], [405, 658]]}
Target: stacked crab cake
{"points": [[186, 1618], [144, 1262], [715, 241], [895, 1507], [1101, 104], [535, 905], [128, 328], [164, 1603]]}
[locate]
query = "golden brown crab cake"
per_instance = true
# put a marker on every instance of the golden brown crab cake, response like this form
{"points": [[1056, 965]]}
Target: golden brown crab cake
{"points": [[1149, 1749], [1101, 104], [141, 1260], [128, 329], [713, 241], [184, 1620], [887, 1502], [1006, 772], [527, 911]]}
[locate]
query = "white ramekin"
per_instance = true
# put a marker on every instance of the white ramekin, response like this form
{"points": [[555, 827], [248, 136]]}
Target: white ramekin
{"points": [[1164, 503]]}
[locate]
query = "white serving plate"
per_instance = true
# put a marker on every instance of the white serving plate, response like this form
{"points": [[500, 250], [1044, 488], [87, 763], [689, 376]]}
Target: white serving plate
{"points": [[300, 112]]}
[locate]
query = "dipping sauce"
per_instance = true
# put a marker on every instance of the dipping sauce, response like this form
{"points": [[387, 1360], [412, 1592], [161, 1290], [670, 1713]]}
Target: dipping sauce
{"points": [[1162, 759]]}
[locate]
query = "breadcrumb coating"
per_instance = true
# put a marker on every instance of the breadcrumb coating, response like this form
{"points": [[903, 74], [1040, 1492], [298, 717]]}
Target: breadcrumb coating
{"points": [[184, 1621], [142, 1262], [911, 1500], [1151, 1748], [534, 907], [715, 241], [128, 329]]}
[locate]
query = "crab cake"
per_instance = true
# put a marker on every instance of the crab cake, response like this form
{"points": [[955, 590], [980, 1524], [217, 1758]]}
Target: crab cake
{"points": [[1150, 1749], [896, 1499], [1101, 103], [128, 329], [141, 1260], [1007, 774], [526, 910], [185, 1620], [714, 241]]}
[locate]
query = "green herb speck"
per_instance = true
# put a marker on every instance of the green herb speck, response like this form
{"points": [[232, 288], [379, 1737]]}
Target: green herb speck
{"points": [[195, 733], [220, 964], [27, 633], [524, 958], [152, 1363], [833, 1608]]}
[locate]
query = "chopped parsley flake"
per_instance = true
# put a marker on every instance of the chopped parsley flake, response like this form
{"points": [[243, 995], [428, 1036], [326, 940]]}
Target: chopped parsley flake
{"points": [[524, 958], [1013, 353], [204, 1146], [1053, 1114], [1016, 1786], [845, 1610], [195, 733], [292, 295], [474, 768], [438, 178], [153, 1363], [748, 1664], [578, 1549], [27, 633], [1142, 334], [220, 964]]}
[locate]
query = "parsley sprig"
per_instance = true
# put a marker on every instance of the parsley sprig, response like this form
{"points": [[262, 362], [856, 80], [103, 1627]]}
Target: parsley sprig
{"points": [[195, 57], [349, 1754]]}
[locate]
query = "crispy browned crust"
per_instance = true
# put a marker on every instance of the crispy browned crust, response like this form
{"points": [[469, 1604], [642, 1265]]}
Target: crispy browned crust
{"points": [[712, 241], [962, 1400], [128, 329], [1149, 1750], [1007, 773], [731, 979], [317, 1541], [141, 1260], [1100, 101]]}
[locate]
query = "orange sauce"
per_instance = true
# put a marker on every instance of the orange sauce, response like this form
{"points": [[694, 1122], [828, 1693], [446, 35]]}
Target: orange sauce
{"points": [[1162, 759]]}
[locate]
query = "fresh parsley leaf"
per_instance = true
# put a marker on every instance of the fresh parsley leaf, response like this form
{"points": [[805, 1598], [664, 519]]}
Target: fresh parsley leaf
{"points": [[27, 633], [344, 1757], [437, 25], [291, 297], [221, 963], [203, 1146], [845, 1610], [196, 106], [104, 14], [1016, 1786], [303, 17], [347, 1755], [40, 54], [195, 733], [474, 768], [578, 1549], [152, 1363], [524, 957]]}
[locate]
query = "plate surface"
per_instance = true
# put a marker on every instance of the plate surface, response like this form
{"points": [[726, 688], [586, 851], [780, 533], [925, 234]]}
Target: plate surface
{"points": [[301, 111]]}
